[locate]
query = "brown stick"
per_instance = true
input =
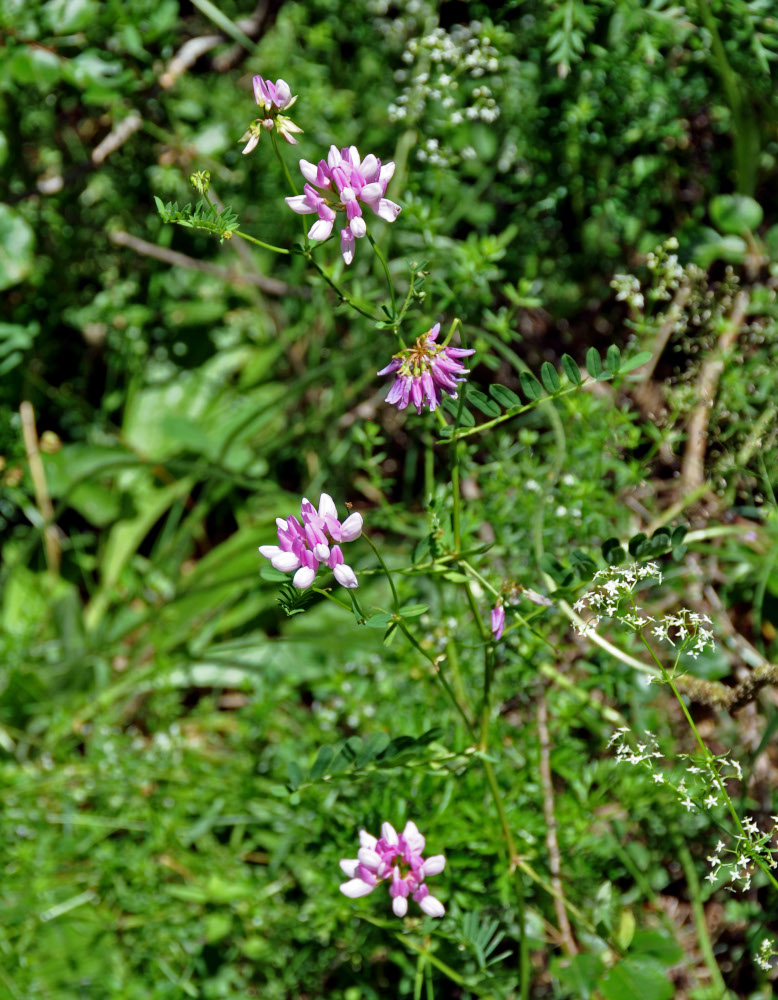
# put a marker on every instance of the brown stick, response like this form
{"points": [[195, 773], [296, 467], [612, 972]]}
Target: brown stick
{"points": [[552, 845], [38, 474], [693, 465], [271, 286]]}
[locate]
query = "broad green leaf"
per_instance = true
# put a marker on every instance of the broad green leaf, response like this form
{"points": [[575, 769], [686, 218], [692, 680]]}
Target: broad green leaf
{"points": [[635, 361], [483, 403], [735, 214], [17, 247], [322, 762], [530, 386], [550, 378], [504, 396], [593, 362], [632, 978], [378, 621], [571, 369]]}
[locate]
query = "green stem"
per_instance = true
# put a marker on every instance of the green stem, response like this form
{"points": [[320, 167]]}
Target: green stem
{"points": [[341, 294], [324, 593], [259, 243], [385, 266], [698, 912], [385, 568], [282, 161], [439, 675]]}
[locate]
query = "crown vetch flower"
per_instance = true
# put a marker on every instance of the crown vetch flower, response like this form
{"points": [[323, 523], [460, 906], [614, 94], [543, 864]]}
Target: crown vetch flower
{"points": [[313, 541], [425, 372], [397, 859], [349, 184], [272, 98], [497, 617]]}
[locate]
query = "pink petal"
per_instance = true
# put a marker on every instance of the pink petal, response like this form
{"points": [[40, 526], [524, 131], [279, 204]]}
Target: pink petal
{"points": [[347, 245], [369, 168], [387, 170]]}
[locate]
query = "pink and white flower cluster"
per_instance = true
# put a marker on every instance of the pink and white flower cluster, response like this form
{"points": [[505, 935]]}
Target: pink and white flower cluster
{"points": [[272, 98], [305, 545], [425, 372], [348, 183], [396, 858]]}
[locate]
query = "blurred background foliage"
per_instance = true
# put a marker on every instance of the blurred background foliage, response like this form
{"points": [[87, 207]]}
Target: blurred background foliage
{"points": [[187, 392]]}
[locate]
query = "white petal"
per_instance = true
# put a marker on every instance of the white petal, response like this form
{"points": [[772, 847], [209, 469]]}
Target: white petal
{"points": [[356, 888], [349, 866], [309, 171], [369, 167], [304, 577], [369, 858], [387, 210], [358, 227], [371, 192], [367, 839], [321, 551], [345, 576], [351, 528], [433, 865], [431, 906], [387, 170], [285, 562], [299, 204], [389, 833], [400, 906], [327, 506], [270, 551], [321, 229], [413, 838]]}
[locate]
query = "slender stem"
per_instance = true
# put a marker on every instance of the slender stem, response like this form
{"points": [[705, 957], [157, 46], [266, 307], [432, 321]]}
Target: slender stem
{"points": [[385, 568], [259, 243], [698, 912], [329, 597], [341, 294], [282, 161], [385, 266], [439, 675]]}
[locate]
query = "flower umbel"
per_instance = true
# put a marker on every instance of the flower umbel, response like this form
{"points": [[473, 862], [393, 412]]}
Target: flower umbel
{"points": [[349, 184], [305, 545], [272, 98], [425, 372], [395, 858]]}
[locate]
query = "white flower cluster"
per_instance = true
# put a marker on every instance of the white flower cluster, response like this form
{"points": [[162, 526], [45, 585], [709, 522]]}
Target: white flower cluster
{"points": [[702, 783], [737, 863], [686, 629], [615, 585], [767, 951], [452, 77], [612, 598]]}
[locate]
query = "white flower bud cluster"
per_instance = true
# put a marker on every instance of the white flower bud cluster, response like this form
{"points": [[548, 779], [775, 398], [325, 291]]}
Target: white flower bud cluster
{"points": [[439, 89], [767, 951]]}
